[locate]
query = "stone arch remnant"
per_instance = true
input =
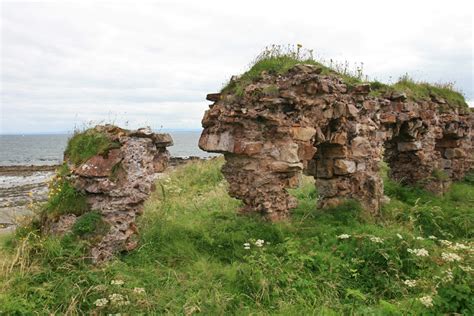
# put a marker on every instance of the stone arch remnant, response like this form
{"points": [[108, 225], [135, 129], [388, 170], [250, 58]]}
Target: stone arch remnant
{"points": [[279, 126]]}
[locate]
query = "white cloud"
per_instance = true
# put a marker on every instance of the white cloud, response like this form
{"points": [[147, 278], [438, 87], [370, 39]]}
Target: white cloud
{"points": [[65, 62]]}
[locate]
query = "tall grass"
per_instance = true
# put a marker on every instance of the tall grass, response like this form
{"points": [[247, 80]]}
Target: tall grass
{"points": [[192, 257]]}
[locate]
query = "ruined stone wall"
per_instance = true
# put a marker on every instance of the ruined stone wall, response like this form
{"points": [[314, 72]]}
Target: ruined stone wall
{"points": [[116, 185], [305, 121]]}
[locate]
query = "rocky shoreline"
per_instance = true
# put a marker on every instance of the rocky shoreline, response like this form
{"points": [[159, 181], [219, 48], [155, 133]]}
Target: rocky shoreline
{"points": [[21, 185]]}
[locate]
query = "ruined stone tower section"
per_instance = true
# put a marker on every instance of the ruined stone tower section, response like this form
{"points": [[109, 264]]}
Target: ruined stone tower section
{"points": [[115, 184], [278, 126], [266, 144]]}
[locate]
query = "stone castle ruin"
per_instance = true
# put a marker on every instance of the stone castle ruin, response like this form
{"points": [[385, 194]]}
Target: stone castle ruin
{"points": [[114, 184], [280, 126]]}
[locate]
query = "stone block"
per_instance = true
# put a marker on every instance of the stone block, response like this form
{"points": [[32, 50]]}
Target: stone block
{"points": [[283, 167], [303, 133], [388, 118], [446, 163], [409, 146], [362, 88], [333, 151], [247, 148], [324, 168], [360, 147], [343, 166], [306, 151], [99, 166], [289, 153], [339, 138], [220, 143], [454, 153], [214, 97]]}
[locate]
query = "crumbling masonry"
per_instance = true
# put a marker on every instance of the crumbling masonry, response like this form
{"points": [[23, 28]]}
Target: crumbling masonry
{"points": [[305, 121], [116, 186]]}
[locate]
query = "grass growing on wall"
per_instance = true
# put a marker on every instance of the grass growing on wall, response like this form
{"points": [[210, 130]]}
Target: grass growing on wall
{"points": [[192, 257], [86, 144], [277, 60]]}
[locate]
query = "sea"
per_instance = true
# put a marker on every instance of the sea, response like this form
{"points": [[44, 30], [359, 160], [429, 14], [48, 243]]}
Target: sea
{"points": [[22, 186], [21, 150]]}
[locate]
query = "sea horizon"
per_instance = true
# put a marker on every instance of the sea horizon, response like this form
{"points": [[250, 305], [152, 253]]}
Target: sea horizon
{"points": [[48, 148]]}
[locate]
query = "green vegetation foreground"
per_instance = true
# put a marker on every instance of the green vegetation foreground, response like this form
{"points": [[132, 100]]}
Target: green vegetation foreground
{"points": [[198, 256]]}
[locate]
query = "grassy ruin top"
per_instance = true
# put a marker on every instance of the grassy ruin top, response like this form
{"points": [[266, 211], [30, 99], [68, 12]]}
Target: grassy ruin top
{"points": [[86, 144], [278, 60]]}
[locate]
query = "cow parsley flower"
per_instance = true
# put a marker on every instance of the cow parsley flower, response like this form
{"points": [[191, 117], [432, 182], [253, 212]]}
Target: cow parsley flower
{"points": [[449, 276], [422, 252], [445, 242], [426, 300], [376, 240], [139, 290], [247, 246], [101, 302], [399, 236], [466, 268], [410, 283], [450, 257], [344, 236], [259, 242], [419, 238], [458, 246], [118, 299], [432, 237], [117, 282]]}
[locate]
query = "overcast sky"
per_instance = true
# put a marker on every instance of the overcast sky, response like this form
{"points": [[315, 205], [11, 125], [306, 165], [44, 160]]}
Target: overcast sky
{"points": [[65, 63]]}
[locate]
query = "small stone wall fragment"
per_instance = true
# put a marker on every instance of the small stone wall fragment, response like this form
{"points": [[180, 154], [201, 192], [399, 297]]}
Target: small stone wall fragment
{"points": [[116, 185]]}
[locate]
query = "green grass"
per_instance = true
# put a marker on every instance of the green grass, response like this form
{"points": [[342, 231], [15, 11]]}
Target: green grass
{"points": [[192, 259], [86, 144], [277, 60], [88, 224], [423, 91], [64, 199]]}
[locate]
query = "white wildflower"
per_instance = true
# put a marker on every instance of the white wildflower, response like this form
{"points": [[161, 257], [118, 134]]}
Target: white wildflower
{"points": [[410, 283], [117, 282], [426, 300], [376, 240], [118, 299], [466, 268], [458, 246], [101, 302], [449, 276], [432, 237], [139, 290], [445, 242], [259, 243], [450, 257], [419, 238], [247, 246], [422, 252], [343, 236], [399, 236]]}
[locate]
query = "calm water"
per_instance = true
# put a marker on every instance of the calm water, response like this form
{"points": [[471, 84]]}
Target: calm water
{"points": [[48, 149]]}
